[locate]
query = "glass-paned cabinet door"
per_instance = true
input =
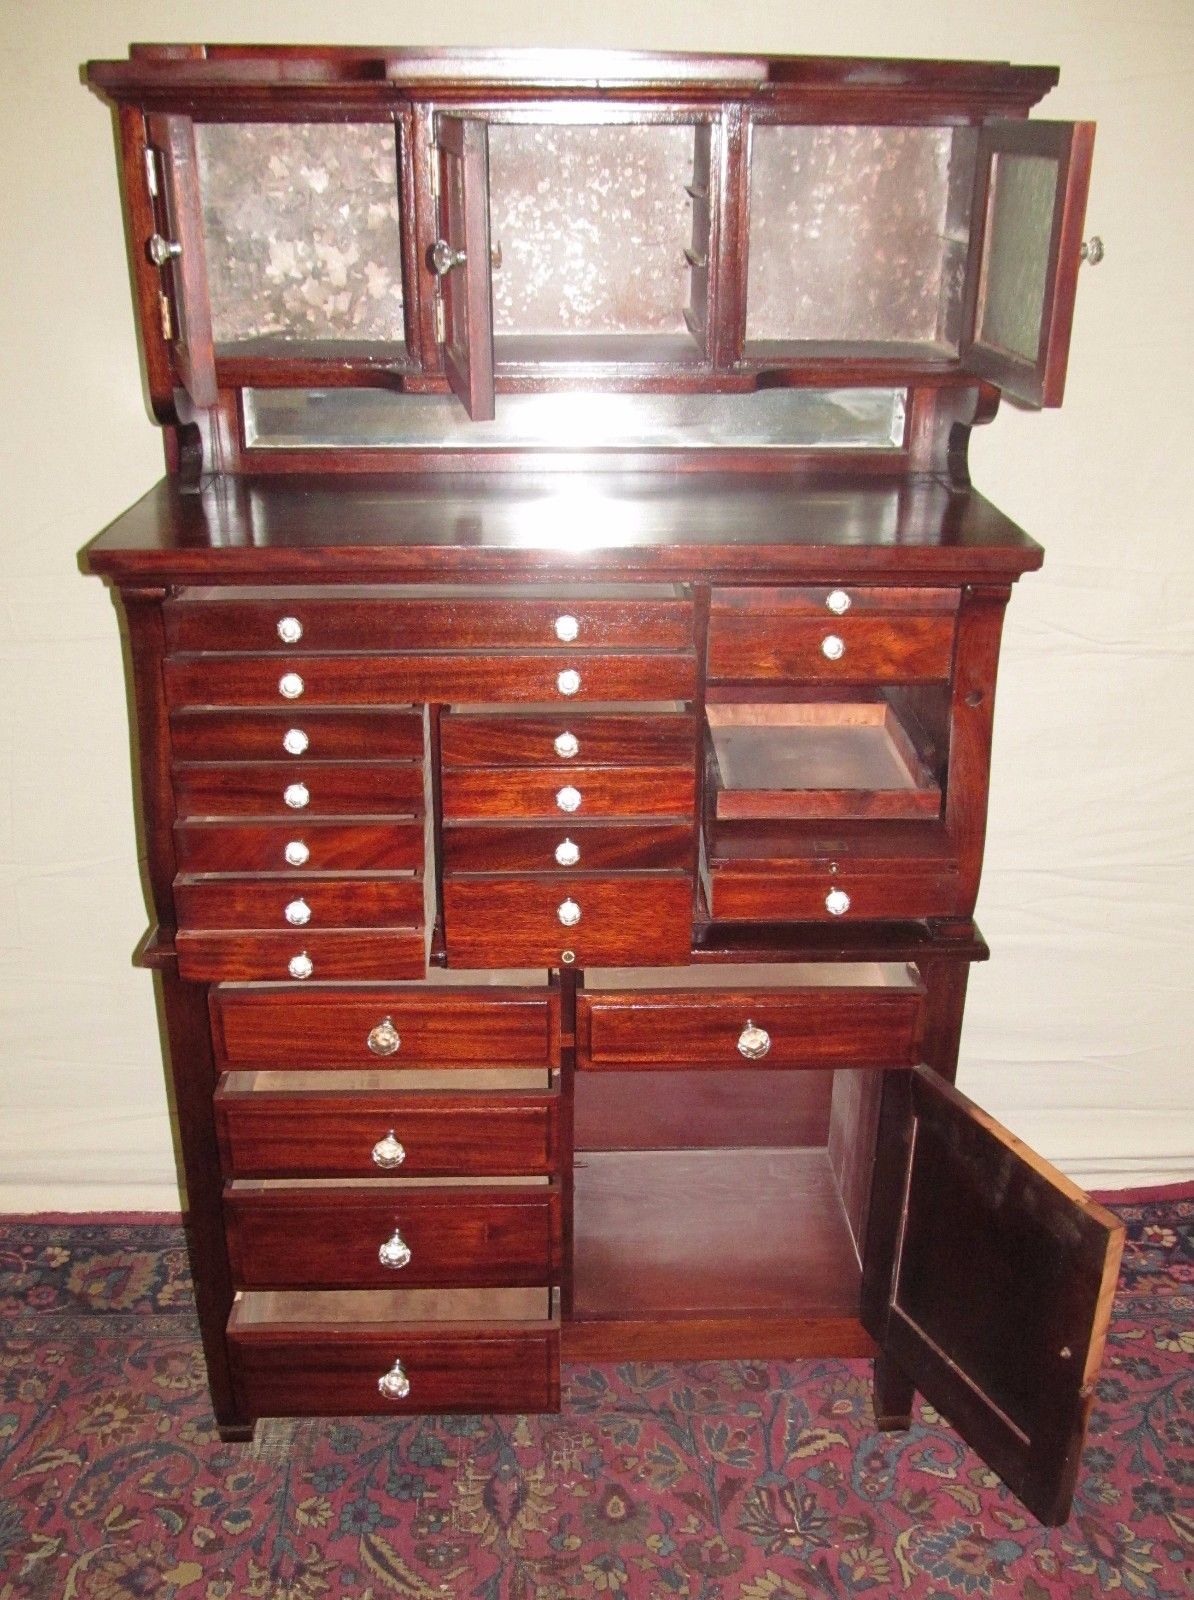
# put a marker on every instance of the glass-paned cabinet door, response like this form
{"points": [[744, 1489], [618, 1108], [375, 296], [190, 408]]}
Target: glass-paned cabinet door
{"points": [[176, 249], [858, 237], [302, 237], [1030, 201]]}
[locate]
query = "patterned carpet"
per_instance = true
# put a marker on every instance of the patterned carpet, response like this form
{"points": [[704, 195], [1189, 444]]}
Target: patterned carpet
{"points": [[735, 1481]]}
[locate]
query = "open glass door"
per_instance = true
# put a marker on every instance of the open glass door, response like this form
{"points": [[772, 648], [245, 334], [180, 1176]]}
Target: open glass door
{"points": [[177, 250], [1031, 182], [989, 1284], [460, 258]]}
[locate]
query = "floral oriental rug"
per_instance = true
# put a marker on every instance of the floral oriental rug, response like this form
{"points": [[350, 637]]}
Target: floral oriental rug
{"points": [[718, 1481]]}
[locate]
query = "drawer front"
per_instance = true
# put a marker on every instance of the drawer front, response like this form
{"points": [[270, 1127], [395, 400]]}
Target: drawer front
{"points": [[435, 1026], [521, 622], [809, 1027], [390, 846], [473, 1237], [299, 789], [318, 735], [296, 1371], [494, 922], [568, 678], [739, 895], [833, 600], [332, 1135], [338, 955], [299, 903], [597, 846], [565, 792], [512, 740], [784, 646]]}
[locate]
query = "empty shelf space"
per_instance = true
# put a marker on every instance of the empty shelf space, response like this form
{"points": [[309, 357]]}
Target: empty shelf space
{"points": [[812, 760], [675, 1234]]}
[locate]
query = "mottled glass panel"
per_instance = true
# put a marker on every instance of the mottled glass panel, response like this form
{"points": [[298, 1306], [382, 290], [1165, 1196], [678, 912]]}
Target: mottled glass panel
{"points": [[301, 228], [357, 419], [592, 223], [850, 233], [1016, 254]]}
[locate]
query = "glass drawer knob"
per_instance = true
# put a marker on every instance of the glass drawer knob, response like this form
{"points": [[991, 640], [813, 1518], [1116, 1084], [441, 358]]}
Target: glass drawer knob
{"points": [[568, 682], [290, 686], [395, 1252], [567, 628], [567, 745], [569, 913], [837, 902], [298, 913], [753, 1043], [296, 853], [384, 1039], [567, 853], [296, 796], [568, 798], [394, 1384], [832, 647], [290, 630], [294, 741], [838, 601], [388, 1152], [300, 966]]}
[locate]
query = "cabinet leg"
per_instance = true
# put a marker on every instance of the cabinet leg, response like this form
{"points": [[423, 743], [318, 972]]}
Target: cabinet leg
{"points": [[894, 1392], [236, 1432]]}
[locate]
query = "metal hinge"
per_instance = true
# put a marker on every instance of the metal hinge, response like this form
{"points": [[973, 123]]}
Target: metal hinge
{"points": [[441, 326], [167, 317], [151, 171]]}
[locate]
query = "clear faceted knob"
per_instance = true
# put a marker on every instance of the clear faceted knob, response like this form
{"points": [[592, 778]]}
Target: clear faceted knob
{"points": [[568, 681], [162, 249], [567, 745], [569, 913], [290, 686], [290, 630], [394, 1384], [384, 1039], [395, 1252], [388, 1152], [295, 741], [567, 853], [567, 628], [298, 913], [297, 853], [296, 796], [300, 966], [838, 601], [837, 902], [753, 1043], [568, 798], [833, 648]]}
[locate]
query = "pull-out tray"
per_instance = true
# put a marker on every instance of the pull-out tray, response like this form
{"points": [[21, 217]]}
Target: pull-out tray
{"points": [[817, 759]]}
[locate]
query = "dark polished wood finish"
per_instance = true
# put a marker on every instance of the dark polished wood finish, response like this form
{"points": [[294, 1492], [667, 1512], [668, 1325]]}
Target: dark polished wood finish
{"points": [[376, 844]]}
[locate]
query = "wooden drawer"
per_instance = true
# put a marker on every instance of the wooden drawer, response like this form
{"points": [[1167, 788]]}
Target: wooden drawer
{"points": [[411, 623], [812, 1026], [516, 740], [330, 735], [532, 847], [565, 792], [436, 1026], [740, 894], [832, 601], [392, 845], [460, 1351], [766, 636], [468, 1236], [336, 955], [352, 680], [315, 788], [494, 922], [326, 1133], [332, 902]]}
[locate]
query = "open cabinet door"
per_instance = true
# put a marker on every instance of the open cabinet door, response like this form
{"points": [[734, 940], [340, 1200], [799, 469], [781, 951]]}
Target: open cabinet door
{"points": [[1029, 205], [460, 258], [177, 249], [989, 1284]]}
